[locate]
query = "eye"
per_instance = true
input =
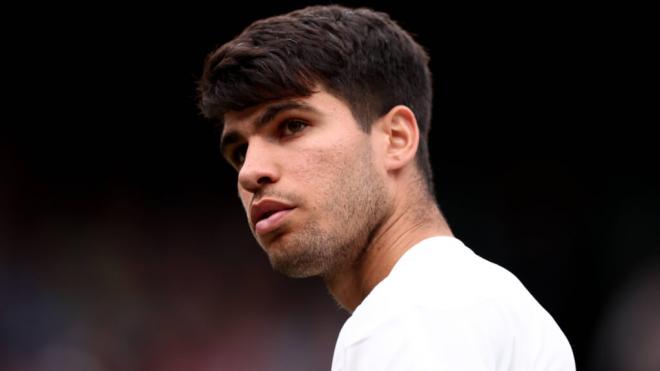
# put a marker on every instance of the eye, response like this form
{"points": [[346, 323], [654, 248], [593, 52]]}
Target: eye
{"points": [[238, 155], [292, 127]]}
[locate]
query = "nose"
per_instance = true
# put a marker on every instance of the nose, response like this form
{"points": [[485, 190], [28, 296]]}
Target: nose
{"points": [[259, 167]]}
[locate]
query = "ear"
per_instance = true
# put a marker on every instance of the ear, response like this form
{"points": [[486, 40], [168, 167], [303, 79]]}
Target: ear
{"points": [[402, 137]]}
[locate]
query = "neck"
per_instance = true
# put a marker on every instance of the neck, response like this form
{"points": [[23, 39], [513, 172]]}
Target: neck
{"points": [[402, 230]]}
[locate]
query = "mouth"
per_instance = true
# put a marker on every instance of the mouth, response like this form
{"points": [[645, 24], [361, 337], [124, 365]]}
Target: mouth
{"points": [[268, 215]]}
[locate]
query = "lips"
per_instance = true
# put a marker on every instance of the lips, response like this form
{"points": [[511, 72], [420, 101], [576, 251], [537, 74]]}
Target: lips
{"points": [[267, 215]]}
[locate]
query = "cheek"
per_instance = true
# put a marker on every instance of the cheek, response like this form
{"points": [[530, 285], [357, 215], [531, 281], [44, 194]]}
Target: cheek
{"points": [[324, 173], [319, 166]]}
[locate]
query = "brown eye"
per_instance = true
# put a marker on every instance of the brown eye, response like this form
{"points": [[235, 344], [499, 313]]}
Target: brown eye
{"points": [[238, 155], [291, 127]]}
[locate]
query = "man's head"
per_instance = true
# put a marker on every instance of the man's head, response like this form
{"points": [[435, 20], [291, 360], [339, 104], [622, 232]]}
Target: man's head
{"points": [[361, 56], [321, 109]]}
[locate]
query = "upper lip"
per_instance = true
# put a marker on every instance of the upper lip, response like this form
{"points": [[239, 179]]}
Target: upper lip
{"points": [[265, 208]]}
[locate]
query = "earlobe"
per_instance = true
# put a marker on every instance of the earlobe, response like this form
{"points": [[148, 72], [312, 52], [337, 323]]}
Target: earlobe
{"points": [[403, 137]]}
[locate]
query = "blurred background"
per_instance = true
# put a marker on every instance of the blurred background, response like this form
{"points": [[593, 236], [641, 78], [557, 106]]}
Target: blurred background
{"points": [[123, 245]]}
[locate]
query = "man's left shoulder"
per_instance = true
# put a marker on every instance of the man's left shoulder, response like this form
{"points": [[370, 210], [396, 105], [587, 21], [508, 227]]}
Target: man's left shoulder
{"points": [[443, 272]]}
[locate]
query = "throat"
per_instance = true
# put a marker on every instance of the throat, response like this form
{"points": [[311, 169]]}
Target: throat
{"points": [[351, 283], [341, 286]]}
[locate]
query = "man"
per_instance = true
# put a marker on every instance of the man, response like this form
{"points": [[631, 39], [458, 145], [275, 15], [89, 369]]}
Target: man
{"points": [[326, 113]]}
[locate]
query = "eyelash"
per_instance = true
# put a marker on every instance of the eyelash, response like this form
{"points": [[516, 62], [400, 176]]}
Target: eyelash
{"points": [[284, 127]]}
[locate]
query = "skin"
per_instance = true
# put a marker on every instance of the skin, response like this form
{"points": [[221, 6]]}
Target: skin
{"points": [[357, 199]]}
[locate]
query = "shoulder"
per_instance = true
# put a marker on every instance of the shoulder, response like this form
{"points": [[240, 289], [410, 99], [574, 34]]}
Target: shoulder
{"points": [[443, 273], [442, 305]]}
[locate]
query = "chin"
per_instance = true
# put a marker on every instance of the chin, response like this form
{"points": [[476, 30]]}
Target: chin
{"points": [[273, 242], [293, 270], [293, 259]]}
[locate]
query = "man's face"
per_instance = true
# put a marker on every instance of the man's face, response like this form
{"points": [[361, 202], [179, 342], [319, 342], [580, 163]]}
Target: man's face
{"points": [[308, 181]]}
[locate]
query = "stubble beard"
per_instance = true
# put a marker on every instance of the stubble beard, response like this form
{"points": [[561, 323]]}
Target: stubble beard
{"points": [[355, 204]]}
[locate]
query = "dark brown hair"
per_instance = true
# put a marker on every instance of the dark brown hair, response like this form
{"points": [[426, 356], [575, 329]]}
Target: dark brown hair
{"points": [[359, 55]]}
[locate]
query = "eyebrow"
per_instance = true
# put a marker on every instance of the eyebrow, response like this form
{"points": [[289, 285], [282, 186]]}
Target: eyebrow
{"points": [[232, 136]]}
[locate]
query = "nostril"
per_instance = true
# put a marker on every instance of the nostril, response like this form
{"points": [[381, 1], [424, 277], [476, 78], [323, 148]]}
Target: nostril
{"points": [[263, 180]]}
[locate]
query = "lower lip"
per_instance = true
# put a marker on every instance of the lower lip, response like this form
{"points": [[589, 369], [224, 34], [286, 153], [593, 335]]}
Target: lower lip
{"points": [[272, 222]]}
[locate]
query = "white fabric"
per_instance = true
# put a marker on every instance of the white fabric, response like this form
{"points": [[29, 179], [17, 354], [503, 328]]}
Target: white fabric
{"points": [[442, 307]]}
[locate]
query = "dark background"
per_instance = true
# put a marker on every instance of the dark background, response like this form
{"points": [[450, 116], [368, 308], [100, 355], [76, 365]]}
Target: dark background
{"points": [[123, 244]]}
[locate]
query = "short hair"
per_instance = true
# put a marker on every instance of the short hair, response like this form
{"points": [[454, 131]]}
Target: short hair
{"points": [[361, 56]]}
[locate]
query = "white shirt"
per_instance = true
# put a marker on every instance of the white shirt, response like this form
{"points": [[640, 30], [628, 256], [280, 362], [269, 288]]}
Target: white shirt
{"points": [[442, 307]]}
